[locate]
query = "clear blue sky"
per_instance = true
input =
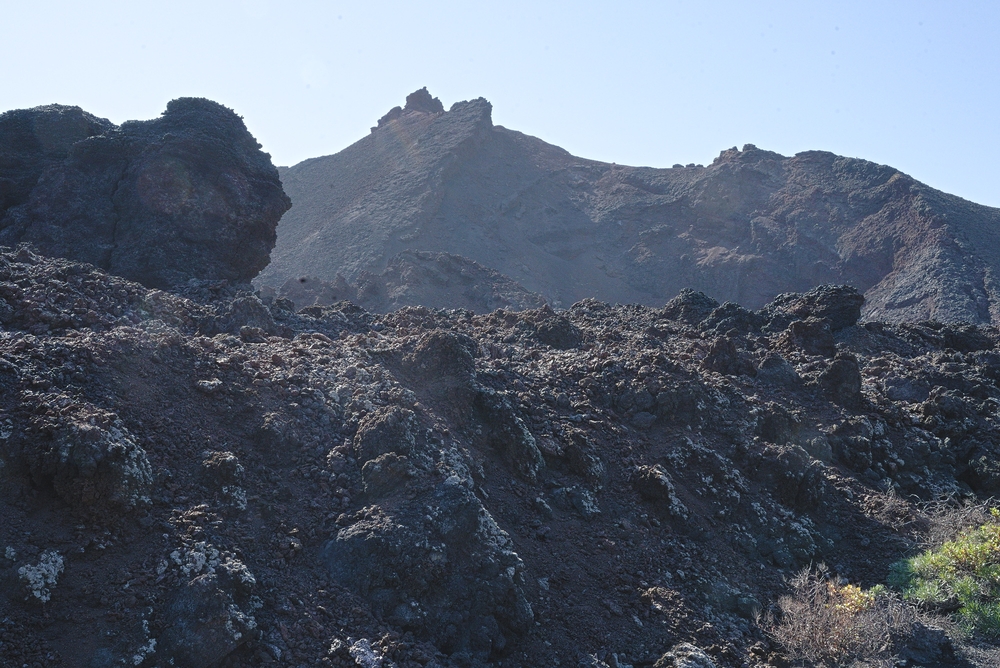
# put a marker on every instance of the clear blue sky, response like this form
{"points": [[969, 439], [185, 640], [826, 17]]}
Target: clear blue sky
{"points": [[910, 84]]}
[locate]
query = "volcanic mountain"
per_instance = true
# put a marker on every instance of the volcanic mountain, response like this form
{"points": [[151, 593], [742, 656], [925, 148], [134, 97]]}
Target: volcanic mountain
{"points": [[749, 226]]}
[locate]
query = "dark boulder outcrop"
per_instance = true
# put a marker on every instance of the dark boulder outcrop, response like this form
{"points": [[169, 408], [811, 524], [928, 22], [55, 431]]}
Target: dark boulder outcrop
{"points": [[32, 140], [558, 332], [811, 335], [187, 195], [85, 455], [842, 380], [840, 304], [690, 307]]}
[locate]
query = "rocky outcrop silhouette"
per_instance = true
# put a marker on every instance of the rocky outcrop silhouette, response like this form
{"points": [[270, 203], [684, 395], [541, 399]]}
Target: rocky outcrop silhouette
{"points": [[186, 195], [750, 226]]}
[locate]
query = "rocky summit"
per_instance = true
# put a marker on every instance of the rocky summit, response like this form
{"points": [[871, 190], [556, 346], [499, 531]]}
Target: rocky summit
{"points": [[746, 228], [187, 195]]}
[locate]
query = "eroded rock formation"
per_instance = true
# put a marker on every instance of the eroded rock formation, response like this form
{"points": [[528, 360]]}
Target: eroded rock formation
{"points": [[186, 195]]}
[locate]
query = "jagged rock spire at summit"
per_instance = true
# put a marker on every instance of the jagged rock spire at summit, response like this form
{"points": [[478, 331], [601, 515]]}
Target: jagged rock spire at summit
{"points": [[746, 228], [419, 101]]}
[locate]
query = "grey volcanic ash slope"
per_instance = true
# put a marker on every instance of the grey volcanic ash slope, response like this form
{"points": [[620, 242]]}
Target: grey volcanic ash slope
{"points": [[188, 194], [749, 226]]}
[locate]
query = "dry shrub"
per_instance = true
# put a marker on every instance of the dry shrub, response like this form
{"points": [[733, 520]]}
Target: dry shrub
{"points": [[893, 511], [945, 519], [928, 524], [824, 623]]}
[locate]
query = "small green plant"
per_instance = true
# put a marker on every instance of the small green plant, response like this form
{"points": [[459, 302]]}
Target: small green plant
{"points": [[962, 576]]}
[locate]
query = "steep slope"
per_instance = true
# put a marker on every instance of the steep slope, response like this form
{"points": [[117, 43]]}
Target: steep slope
{"points": [[749, 226]]}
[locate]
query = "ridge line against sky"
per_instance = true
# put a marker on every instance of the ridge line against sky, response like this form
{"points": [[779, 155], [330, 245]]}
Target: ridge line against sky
{"points": [[908, 84]]}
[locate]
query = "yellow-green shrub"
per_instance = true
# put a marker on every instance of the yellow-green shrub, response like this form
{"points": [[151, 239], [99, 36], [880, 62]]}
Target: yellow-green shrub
{"points": [[961, 576]]}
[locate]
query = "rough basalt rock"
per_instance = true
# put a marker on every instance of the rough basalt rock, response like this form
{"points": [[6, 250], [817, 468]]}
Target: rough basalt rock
{"points": [[33, 140], [839, 304], [186, 195], [439, 488], [84, 454]]}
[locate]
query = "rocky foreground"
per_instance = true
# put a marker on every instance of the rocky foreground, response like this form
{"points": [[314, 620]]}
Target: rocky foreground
{"points": [[204, 479]]}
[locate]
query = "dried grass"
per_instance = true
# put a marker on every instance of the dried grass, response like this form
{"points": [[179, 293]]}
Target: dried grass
{"points": [[929, 524], [947, 518]]}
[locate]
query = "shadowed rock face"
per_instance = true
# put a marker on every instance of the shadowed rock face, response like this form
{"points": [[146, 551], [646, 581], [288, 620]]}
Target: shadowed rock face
{"points": [[186, 195], [746, 228], [32, 140]]}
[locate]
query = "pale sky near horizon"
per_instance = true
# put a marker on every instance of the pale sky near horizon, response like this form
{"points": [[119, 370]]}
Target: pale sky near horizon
{"points": [[909, 84]]}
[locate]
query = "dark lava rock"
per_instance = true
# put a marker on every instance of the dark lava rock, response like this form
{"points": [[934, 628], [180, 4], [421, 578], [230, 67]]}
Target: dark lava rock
{"points": [[927, 646], [85, 455], [775, 369], [690, 307], [776, 425], [464, 587], [33, 140], [506, 432], [811, 335], [557, 331], [222, 468], [732, 316], [841, 381], [433, 487], [187, 195], [389, 429], [723, 357], [685, 655], [840, 304], [205, 621]]}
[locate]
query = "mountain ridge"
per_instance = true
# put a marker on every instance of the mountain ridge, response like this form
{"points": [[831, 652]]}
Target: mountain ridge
{"points": [[746, 228]]}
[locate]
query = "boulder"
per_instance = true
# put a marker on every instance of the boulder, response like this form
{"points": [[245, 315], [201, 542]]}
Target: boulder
{"points": [[839, 304], [690, 307], [33, 140], [723, 357], [557, 331], [452, 577], [841, 381], [207, 619], [685, 655], [187, 195], [812, 335], [85, 454], [388, 429], [775, 369]]}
